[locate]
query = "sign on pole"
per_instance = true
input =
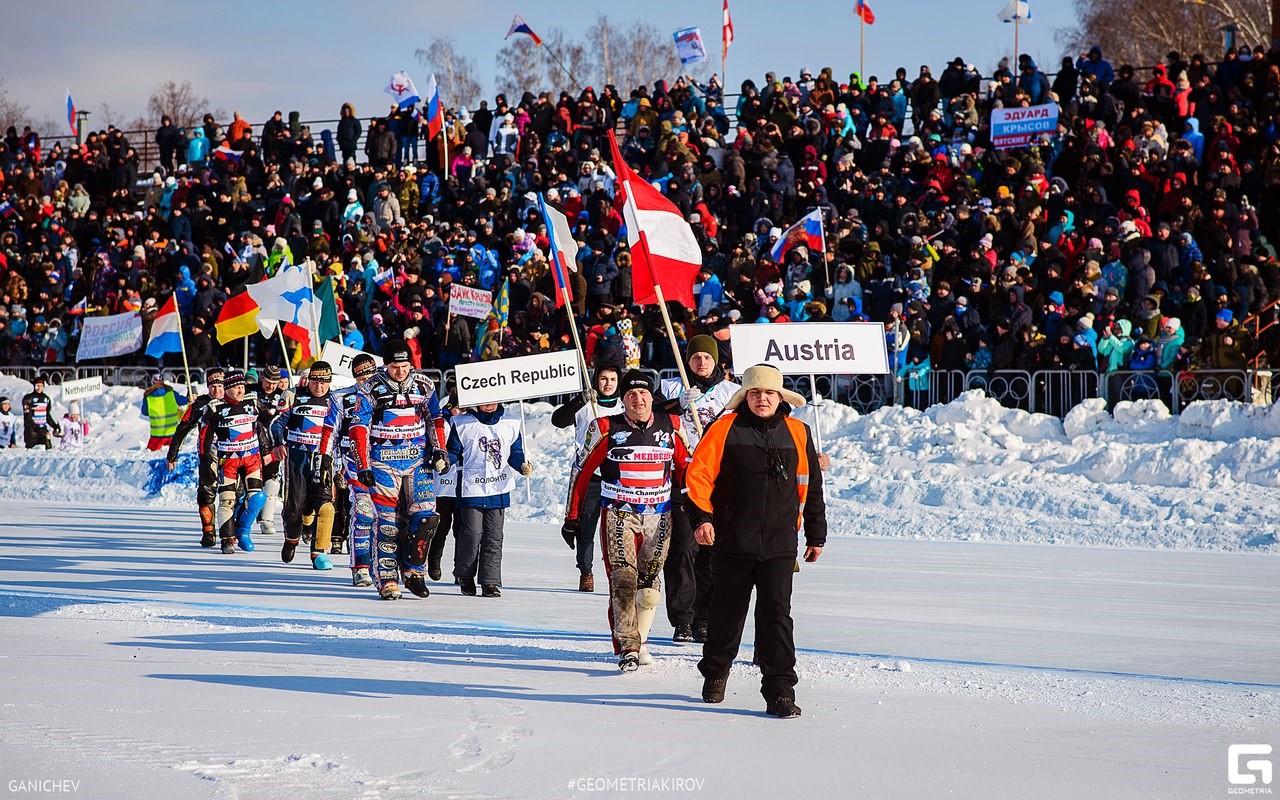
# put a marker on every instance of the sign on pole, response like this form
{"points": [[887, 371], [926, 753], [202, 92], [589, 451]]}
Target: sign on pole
{"points": [[1019, 127], [104, 337], [81, 389], [339, 356], [468, 302], [518, 378], [812, 348]]}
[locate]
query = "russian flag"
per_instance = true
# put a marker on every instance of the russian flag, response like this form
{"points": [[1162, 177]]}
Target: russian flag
{"points": [[518, 25], [79, 308], [864, 13], [71, 113], [166, 331], [807, 232], [435, 113], [562, 249]]}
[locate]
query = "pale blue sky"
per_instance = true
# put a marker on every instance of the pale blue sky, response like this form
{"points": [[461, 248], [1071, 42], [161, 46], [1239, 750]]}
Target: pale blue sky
{"points": [[256, 57]]}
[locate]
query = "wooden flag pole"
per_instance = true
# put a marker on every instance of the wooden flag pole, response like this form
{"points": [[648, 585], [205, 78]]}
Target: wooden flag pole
{"points": [[862, 47], [284, 348], [577, 341], [246, 353], [182, 344], [524, 438]]}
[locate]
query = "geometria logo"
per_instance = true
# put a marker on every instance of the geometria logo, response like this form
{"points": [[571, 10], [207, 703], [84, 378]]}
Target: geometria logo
{"points": [[1242, 772]]}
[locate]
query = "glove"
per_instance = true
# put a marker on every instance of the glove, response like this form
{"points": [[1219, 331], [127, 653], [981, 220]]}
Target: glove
{"points": [[526, 469], [321, 467], [569, 530], [439, 460], [365, 476], [590, 397], [689, 397]]}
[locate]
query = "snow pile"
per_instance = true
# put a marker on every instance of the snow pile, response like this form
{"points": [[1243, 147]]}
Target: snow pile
{"points": [[969, 470]]}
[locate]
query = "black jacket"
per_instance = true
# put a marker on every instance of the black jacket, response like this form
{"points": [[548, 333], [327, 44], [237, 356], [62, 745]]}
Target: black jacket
{"points": [[755, 509]]}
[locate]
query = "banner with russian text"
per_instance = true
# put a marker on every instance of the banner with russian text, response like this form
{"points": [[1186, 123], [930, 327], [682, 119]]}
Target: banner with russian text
{"points": [[506, 379], [1019, 127], [468, 302], [811, 348], [104, 337]]}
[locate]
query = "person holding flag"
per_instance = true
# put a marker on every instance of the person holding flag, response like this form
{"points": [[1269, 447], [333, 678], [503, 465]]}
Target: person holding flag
{"points": [[492, 329]]}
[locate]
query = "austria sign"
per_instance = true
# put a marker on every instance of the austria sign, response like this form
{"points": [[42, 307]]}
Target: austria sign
{"points": [[811, 348], [519, 378], [1018, 127]]}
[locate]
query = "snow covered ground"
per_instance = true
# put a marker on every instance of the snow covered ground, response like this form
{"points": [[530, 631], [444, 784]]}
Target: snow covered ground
{"points": [[1010, 607]]}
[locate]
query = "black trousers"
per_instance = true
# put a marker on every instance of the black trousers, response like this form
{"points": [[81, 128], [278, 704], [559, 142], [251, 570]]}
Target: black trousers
{"points": [[733, 579], [687, 574], [444, 510]]}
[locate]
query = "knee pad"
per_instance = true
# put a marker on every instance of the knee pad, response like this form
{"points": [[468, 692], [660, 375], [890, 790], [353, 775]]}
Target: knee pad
{"points": [[361, 512], [253, 504], [648, 598], [324, 527], [206, 517]]}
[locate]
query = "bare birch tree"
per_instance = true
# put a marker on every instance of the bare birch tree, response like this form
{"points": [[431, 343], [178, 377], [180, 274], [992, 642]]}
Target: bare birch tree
{"points": [[455, 72], [1141, 32]]}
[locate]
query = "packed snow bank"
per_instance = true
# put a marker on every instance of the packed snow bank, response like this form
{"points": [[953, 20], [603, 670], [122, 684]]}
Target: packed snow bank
{"points": [[970, 470]]}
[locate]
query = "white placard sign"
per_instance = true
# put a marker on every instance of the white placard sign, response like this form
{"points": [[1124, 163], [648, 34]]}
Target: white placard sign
{"points": [[811, 348], [468, 302], [104, 337], [518, 378], [79, 390], [339, 356]]}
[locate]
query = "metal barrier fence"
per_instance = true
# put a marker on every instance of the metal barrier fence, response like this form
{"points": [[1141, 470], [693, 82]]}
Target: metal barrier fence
{"points": [[1053, 392]]}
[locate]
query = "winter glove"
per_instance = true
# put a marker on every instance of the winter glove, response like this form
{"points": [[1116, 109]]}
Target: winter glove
{"points": [[570, 531], [829, 292], [365, 476], [590, 397], [689, 397], [526, 469], [439, 461], [321, 467]]}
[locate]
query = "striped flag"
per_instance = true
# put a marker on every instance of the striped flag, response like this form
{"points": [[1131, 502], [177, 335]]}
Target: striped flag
{"points": [[518, 25], [562, 249], [238, 318], [166, 331], [71, 113], [435, 113], [499, 313], [727, 28], [864, 13]]}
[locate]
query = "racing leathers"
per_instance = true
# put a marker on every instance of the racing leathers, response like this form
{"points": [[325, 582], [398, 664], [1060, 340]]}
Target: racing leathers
{"points": [[308, 474], [397, 433], [358, 505], [239, 443], [206, 473]]}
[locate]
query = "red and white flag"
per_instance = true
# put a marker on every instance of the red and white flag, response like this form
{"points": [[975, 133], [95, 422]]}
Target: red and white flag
{"points": [[727, 31], [664, 251]]}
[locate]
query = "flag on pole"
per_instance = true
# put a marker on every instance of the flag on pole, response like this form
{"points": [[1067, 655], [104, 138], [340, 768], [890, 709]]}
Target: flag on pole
{"points": [[806, 232], [166, 331], [401, 88], [518, 25], [80, 307], [1018, 11], [499, 312], [435, 113], [664, 251], [288, 300], [726, 32], [71, 113], [562, 249], [238, 318], [864, 13], [690, 47]]}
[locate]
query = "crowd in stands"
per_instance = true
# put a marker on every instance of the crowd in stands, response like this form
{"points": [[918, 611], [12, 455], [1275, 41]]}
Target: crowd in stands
{"points": [[1133, 238]]}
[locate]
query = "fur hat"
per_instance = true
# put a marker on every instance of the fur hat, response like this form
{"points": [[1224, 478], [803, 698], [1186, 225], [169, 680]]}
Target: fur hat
{"points": [[763, 376]]}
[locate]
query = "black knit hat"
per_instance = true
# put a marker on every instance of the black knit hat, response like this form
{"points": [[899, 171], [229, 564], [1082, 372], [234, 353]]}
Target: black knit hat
{"points": [[635, 379], [320, 371], [233, 377], [214, 375], [394, 350], [361, 361]]}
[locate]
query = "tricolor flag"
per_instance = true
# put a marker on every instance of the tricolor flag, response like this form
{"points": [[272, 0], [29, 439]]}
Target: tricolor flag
{"points": [[518, 25], [238, 318], [402, 90], [71, 113], [166, 331], [562, 249], [807, 232], [79, 308], [664, 251], [500, 312], [864, 13], [689, 46], [435, 112], [726, 33], [1018, 11]]}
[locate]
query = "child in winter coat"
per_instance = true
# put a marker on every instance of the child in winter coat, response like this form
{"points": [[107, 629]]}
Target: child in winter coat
{"points": [[74, 429], [489, 451]]}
